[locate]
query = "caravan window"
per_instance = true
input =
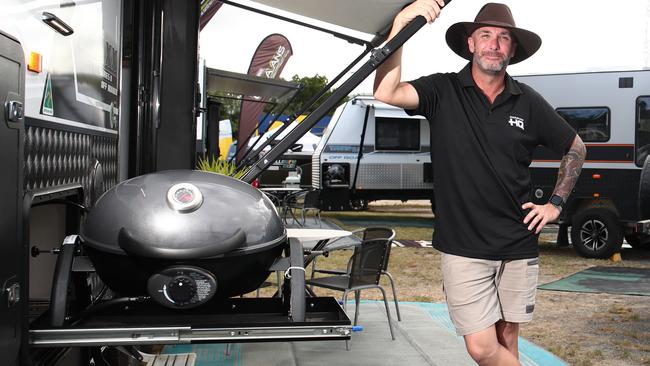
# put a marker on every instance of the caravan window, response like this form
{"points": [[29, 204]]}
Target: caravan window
{"points": [[397, 134], [642, 129], [592, 124]]}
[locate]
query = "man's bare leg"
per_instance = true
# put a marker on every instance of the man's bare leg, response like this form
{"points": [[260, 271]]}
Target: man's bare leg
{"points": [[485, 349], [508, 336]]}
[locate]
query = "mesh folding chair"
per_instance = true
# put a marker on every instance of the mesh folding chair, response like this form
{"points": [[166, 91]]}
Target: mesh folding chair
{"points": [[369, 233], [304, 201], [364, 271]]}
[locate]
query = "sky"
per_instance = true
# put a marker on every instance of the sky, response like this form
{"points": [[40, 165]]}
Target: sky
{"points": [[577, 36]]}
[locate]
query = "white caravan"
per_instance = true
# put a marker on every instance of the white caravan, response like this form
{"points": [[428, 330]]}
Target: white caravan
{"points": [[394, 163], [611, 113]]}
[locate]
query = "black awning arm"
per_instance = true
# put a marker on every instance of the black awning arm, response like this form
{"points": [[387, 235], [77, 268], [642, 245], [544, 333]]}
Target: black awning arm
{"points": [[251, 149], [377, 58], [306, 106]]}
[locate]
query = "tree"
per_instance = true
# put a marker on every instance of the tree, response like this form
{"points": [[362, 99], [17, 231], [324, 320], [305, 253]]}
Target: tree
{"points": [[310, 87]]}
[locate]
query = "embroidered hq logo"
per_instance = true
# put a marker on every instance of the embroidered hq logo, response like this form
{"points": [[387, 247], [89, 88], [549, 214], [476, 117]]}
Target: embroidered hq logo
{"points": [[516, 122]]}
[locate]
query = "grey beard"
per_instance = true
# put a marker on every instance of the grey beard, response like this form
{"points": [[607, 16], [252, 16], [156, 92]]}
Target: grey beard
{"points": [[492, 68]]}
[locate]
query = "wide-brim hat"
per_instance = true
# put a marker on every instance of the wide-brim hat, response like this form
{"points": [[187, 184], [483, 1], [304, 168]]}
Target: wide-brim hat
{"points": [[493, 15]]}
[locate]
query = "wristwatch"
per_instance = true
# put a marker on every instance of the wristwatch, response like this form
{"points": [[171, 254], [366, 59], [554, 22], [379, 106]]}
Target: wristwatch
{"points": [[556, 201]]}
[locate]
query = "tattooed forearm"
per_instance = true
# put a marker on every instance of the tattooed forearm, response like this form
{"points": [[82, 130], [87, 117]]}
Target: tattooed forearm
{"points": [[570, 168]]}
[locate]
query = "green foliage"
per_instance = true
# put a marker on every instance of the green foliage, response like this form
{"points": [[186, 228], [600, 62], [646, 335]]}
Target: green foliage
{"points": [[218, 166], [311, 86]]}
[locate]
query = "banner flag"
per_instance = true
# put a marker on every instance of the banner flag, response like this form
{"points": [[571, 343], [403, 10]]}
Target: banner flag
{"points": [[208, 9], [268, 61]]}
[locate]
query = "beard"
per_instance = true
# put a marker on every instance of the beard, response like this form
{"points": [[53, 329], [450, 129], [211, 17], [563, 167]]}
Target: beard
{"points": [[491, 66]]}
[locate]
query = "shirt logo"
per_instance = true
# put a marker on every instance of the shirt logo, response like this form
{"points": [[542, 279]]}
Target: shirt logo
{"points": [[516, 122]]}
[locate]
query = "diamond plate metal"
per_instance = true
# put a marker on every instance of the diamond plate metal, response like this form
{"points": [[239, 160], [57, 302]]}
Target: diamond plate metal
{"points": [[55, 157]]}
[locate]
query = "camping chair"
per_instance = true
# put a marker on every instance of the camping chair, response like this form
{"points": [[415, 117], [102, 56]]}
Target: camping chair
{"points": [[366, 234], [304, 201], [363, 272]]}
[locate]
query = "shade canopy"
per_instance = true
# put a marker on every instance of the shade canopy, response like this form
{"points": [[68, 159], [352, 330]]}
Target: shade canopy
{"points": [[249, 85], [368, 16]]}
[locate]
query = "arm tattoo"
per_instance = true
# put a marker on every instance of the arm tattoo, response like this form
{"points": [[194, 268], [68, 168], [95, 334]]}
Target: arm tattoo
{"points": [[570, 168]]}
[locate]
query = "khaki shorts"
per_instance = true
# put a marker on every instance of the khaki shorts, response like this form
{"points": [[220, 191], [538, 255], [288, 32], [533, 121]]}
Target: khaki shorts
{"points": [[481, 292]]}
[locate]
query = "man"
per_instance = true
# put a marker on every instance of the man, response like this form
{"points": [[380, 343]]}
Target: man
{"points": [[484, 128]]}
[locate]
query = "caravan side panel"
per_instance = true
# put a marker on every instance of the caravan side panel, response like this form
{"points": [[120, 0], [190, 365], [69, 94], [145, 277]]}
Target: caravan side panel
{"points": [[608, 112], [72, 104]]}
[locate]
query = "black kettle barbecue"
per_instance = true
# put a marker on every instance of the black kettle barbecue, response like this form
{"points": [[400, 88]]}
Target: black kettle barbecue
{"points": [[183, 237]]}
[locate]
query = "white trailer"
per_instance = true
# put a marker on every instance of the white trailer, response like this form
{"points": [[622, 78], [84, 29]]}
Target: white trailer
{"points": [[371, 151], [611, 113]]}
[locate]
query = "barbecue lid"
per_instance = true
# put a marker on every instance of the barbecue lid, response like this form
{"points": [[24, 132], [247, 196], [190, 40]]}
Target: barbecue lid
{"points": [[183, 214]]}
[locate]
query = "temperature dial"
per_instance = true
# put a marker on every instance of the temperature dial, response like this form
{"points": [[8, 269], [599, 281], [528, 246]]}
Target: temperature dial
{"points": [[181, 289]]}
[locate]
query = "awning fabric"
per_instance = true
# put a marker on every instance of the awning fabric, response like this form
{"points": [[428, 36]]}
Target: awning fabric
{"points": [[249, 85], [367, 16]]}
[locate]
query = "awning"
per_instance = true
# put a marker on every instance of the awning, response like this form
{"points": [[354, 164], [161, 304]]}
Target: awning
{"points": [[373, 17], [248, 85]]}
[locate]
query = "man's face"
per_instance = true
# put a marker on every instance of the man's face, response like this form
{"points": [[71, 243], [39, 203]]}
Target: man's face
{"points": [[493, 47]]}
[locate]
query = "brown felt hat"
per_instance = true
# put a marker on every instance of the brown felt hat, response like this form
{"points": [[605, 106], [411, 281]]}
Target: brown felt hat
{"points": [[493, 15]]}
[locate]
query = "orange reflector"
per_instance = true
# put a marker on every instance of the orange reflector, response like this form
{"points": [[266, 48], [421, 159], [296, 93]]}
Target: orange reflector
{"points": [[596, 176], [35, 62], [596, 195]]}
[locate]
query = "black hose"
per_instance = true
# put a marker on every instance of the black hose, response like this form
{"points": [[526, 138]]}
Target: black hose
{"points": [[93, 308]]}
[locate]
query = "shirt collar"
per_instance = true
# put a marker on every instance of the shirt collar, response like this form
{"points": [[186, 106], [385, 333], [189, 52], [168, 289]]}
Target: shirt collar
{"points": [[466, 79]]}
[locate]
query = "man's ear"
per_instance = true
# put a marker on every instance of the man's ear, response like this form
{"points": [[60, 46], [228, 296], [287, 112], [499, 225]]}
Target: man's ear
{"points": [[470, 44]]}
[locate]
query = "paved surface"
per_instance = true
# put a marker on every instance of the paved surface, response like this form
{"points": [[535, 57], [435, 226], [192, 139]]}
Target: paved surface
{"points": [[423, 338]]}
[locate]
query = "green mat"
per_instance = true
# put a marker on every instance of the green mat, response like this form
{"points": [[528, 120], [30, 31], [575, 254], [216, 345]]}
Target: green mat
{"points": [[611, 280]]}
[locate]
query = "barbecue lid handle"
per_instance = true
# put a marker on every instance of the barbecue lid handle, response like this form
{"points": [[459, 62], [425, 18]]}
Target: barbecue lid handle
{"points": [[133, 246]]}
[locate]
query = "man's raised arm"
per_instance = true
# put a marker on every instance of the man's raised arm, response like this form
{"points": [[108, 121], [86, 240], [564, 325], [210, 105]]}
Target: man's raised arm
{"points": [[389, 87]]}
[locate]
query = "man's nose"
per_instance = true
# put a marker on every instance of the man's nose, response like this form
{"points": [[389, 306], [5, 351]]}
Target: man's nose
{"points": [[494, 43]]}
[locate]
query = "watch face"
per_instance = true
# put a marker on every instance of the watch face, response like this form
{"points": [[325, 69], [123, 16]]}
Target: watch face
{"points": [[556, 200]]}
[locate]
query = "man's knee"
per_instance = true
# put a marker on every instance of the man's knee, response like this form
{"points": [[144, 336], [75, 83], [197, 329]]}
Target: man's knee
{"points": [[481, 347]]}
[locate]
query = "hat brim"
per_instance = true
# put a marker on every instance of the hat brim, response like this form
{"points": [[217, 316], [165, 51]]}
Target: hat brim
{"points": [[527, 42]]}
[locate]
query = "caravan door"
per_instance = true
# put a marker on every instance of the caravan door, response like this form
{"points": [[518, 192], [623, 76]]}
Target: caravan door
{"points": [[12, 89]]}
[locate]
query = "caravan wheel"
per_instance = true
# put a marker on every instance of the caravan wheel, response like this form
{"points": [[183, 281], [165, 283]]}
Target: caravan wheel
{"points": [[644, 190], [358, 204], [596, 233]]}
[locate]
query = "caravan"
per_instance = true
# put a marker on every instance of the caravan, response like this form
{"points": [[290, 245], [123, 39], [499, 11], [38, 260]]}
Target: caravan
{"points": [[372, 151], [611, 113]]}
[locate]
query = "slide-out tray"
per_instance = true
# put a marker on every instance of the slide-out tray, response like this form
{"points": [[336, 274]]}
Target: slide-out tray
{"points": [[230, 320]]}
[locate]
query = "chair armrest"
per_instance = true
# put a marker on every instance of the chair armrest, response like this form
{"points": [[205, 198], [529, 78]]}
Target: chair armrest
{"points": [[330, 271]]}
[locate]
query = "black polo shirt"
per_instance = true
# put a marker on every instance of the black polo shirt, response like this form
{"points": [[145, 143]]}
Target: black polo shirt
{"points": [[480, 153]]}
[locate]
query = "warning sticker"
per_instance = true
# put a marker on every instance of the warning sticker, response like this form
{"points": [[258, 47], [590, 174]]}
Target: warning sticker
{"points": [[48, 101]]}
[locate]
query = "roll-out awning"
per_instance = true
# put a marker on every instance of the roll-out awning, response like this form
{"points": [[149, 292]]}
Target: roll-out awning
{"points": [[221, 81]]}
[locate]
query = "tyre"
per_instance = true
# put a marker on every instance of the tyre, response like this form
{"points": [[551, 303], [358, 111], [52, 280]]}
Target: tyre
{"points": [[358, 204], [644, 190], [596, 233]]}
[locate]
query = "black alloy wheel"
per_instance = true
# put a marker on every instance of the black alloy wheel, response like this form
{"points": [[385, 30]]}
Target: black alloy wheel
{"points": [[596, 233], [358, 204]]}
